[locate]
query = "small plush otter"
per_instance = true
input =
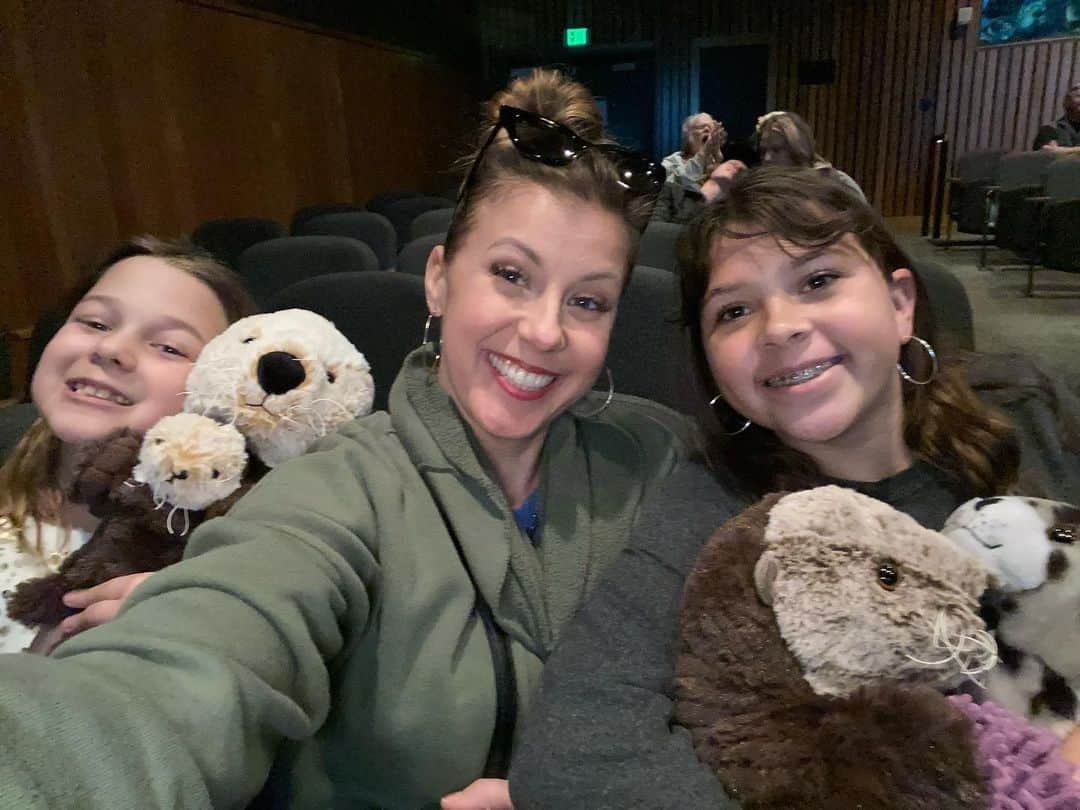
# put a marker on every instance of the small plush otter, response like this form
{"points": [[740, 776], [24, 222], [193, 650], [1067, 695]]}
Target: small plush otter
{"points": [[816, 630]]}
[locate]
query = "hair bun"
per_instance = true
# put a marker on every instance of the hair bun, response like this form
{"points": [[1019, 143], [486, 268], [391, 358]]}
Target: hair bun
{"points": [[553, 95]]}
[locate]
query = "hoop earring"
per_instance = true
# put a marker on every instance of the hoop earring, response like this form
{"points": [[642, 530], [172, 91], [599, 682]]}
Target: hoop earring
{"points": [[746, 424], [607, 399], [426, 340], [933, 364]]}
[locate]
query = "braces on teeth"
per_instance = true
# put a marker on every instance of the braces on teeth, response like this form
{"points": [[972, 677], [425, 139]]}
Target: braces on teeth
{"points": [[800, 376]]}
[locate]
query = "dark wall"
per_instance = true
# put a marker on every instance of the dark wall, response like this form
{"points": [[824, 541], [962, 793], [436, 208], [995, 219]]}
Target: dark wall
{"points": [[899, 77], [448, 30]]}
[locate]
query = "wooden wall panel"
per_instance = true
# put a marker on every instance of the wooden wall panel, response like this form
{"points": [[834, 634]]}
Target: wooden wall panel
{"points": [[132, 116], [900, 77]]}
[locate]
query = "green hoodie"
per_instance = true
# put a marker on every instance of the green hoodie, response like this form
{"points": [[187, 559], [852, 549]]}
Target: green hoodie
{"points": [[326, 625]]}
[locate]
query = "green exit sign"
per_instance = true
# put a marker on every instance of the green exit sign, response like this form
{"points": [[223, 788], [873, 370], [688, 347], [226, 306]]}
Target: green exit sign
{"points": [[577, 37]]}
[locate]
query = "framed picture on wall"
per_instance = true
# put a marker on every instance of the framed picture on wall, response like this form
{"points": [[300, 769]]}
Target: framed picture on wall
{"points": [[1017, 20]]}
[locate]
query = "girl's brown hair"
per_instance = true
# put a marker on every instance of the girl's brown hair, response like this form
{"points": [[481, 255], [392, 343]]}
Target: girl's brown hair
{"points": [[28, 486], [944, 422], [591, 177]]}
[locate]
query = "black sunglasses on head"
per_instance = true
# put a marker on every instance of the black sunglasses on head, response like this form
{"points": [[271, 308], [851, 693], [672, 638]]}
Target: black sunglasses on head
{"points": [[554, 144]]}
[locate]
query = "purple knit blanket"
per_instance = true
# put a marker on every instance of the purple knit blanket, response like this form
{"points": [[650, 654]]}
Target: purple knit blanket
{"points": [[1020, 760]]}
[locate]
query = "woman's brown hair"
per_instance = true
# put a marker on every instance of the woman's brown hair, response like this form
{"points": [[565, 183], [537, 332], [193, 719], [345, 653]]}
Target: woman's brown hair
{"points": [[28, 487], [592, 177], [944, 422], [792, 129]]}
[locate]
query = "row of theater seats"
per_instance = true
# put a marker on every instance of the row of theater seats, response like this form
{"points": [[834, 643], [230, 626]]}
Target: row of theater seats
{"points": [[383, 314], [1026, 202]]}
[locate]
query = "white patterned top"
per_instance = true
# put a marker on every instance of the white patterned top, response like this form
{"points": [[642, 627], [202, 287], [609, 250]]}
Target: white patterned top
{"points": [[19, 565]]}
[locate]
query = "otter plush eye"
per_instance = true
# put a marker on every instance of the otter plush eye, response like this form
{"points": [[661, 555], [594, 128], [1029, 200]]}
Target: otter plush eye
{"points": [[888, 575], [1060, 534], [159, 441], [215, 474], [330, 377], [248, 340]]}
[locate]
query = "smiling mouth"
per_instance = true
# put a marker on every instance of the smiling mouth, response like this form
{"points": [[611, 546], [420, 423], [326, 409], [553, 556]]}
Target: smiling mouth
{"points": [[802, 375], [519, 377], [96, 391]]}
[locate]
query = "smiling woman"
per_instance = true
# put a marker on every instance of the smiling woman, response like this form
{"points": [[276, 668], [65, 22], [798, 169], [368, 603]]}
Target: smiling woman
{"points": [[363, 626], [120, 361]]}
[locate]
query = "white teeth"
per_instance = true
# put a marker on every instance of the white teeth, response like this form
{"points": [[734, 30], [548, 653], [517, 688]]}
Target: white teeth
{"points": [[100, 393], [802, 375], [525, 380]]}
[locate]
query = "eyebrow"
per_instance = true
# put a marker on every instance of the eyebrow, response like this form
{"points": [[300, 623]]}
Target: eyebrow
{"points": [[533, 256], [806, 258], [164, 322]]}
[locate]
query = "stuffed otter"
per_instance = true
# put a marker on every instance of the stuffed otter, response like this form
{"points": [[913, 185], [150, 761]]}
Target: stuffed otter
{"points": [[261, 392], [817, 631]]}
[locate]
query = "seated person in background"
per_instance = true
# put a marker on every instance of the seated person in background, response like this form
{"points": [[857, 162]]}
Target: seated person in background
{"points": [[1063, 136], [679, 202], [785, 139], [362, 627], [702, 140], [811, 341], [120, 361]]}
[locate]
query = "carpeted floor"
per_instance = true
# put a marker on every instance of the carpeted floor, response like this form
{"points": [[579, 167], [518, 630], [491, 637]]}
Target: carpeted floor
{"points": [[1046, 325]]}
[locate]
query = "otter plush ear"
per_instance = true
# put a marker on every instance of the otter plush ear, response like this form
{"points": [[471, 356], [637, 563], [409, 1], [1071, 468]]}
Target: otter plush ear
{"points": [[765, 572]]}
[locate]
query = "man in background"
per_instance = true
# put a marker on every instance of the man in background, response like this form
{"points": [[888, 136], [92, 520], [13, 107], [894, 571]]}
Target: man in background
{"points": [[1063, 136]]}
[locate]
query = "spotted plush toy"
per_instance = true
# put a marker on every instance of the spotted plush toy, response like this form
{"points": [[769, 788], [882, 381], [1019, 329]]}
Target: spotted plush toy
{"points": [[261, 392], [819, 633], [1032, 546]]}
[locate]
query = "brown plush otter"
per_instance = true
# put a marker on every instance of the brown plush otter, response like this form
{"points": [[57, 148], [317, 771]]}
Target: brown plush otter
{"points": [[814, 631], [136, 532]]}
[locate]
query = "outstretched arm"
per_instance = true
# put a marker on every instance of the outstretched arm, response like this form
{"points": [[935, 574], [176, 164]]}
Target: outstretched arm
{"points": [[183, 699]]}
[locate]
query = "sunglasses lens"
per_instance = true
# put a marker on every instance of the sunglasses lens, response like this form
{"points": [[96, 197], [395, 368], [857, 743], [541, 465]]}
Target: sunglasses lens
{"points": [[546, 144], [637, 172]]}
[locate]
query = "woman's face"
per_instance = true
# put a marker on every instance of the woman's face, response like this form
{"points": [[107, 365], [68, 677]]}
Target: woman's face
{"points": [[775, 152], [122, 358], [527, 306], [806, 344]]}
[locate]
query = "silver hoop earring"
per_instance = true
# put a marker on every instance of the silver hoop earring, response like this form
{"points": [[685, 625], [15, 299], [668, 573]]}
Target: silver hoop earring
{"points": [[426, 340], [746, 424], [933, 364], [607, 399]]}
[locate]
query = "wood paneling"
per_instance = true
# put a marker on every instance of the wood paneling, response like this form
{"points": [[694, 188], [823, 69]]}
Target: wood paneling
{"points": [[133, 116], [900, 78]]}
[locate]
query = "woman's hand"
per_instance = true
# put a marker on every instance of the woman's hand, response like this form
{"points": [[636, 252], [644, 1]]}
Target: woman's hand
{"points": [[99, 604], [721, 178], [483, 794]]}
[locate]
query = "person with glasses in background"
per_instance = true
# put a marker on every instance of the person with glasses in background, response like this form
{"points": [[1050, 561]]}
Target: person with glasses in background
{"points": [[364, 628], [703, 137]]}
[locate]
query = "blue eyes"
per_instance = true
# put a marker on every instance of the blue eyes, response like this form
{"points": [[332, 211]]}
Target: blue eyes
{"points": [[517, 278]]}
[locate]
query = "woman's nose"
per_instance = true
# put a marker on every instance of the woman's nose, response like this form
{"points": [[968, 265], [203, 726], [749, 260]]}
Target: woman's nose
{"points": [[541, 325]]}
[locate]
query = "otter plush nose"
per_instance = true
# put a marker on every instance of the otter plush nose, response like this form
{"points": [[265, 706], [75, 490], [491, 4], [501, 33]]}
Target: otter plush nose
{"points": [[279, 372]]}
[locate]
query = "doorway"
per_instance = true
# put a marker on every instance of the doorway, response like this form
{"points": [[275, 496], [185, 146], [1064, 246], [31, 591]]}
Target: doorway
{"points": [[624, 83], [733, 79]]}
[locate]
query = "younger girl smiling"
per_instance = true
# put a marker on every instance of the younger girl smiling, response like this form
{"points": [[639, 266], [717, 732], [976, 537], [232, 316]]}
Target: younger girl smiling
{"points": [[120, 360]]}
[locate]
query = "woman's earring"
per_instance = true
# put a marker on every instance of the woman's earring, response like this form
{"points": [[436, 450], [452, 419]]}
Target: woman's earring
{"points": [[426, 341], [746, 424], [607, 399], [933, 363]]}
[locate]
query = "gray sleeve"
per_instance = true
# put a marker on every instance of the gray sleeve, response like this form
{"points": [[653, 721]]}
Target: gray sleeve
{"points": [[599, 734]]}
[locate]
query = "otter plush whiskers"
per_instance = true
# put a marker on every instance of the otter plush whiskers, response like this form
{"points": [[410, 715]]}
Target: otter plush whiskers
{"points": [[972, 652]]}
